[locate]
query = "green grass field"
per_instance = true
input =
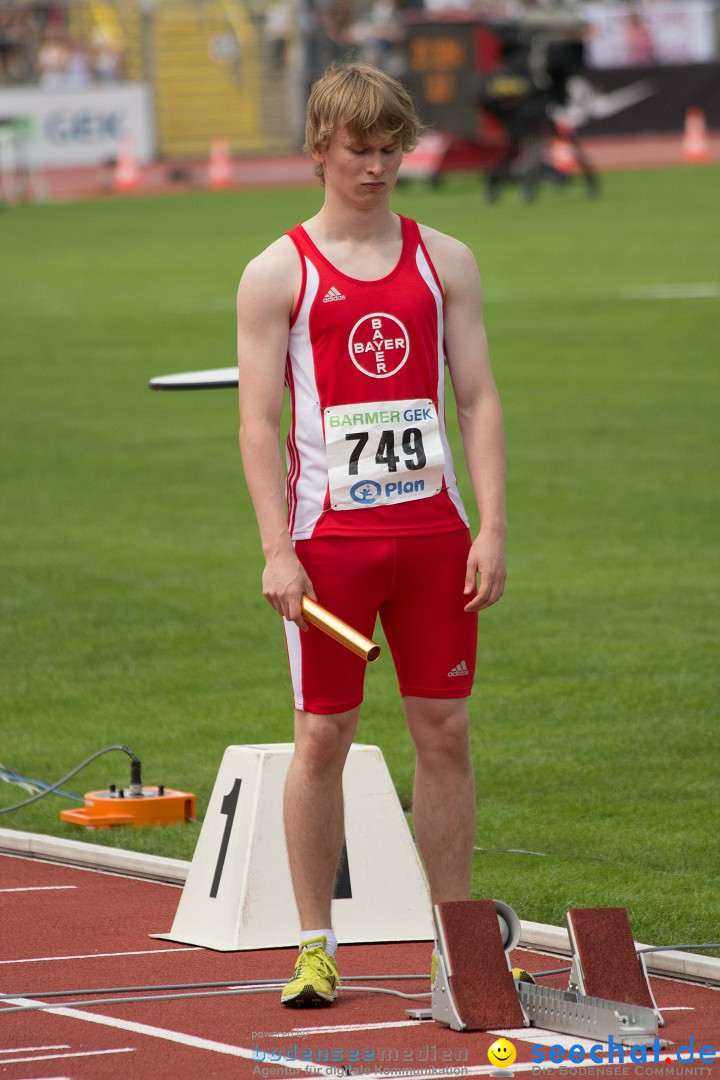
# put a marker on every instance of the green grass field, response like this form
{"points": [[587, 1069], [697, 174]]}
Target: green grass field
{"points": [[131, 600]]}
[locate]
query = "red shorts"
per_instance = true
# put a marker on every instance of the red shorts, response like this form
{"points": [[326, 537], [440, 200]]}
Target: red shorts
{"points": [[415, 584]]}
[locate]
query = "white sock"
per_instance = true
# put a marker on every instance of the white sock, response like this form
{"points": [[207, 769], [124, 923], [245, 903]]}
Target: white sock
{"points": [[313, 935]]}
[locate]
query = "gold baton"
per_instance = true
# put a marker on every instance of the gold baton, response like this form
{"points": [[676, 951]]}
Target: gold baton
{"points": [[339, 630]]}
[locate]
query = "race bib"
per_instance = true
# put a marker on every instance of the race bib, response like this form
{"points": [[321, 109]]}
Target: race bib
{"points": [[383, 453]]}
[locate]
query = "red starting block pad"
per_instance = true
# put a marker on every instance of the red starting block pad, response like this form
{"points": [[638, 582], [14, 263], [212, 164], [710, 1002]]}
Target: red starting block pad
{"points": [[474, 988], [605, 962]]}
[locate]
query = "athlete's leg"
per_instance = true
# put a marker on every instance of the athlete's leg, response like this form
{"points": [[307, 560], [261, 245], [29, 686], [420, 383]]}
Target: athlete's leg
{"points": [[443, 793], [434, 643], [313, 809], [349, 579]]}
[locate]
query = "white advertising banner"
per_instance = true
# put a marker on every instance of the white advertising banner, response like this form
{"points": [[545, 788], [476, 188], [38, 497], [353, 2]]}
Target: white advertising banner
{"points": [[661, 32], [71, 127]]}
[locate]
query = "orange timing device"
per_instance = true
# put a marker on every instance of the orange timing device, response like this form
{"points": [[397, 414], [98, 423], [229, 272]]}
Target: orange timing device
{"points": [[152, 806]]}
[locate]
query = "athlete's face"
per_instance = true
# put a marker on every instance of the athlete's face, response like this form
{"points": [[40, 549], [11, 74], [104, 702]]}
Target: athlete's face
{"points": [[363, 172]]}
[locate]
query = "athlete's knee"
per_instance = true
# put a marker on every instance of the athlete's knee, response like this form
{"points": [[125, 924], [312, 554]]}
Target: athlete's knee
{"points": [[440, 729], [323, 742]]}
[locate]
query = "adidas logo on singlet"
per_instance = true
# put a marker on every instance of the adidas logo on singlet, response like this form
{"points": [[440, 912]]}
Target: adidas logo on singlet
{"points": [[332, 294], [459, 669]]}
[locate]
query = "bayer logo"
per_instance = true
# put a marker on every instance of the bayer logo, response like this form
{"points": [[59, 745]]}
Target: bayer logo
{"points": [[378, 345]]}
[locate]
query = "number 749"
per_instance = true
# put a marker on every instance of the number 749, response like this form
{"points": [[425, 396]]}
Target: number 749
{"points": [[412, 446]]}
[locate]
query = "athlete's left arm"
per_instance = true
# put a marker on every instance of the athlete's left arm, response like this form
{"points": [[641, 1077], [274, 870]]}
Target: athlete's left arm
{"points": [[479, 414]]}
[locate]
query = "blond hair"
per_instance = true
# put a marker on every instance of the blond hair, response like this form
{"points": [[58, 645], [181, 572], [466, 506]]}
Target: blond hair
{"points": [[364, 100]]}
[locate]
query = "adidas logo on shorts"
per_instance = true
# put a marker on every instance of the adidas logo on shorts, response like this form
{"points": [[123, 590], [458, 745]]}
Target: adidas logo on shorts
{"points": [[332, 294], [459, 669]]}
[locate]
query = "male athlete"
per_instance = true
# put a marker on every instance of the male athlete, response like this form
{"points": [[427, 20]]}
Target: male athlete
{"points": [[357, 311]]}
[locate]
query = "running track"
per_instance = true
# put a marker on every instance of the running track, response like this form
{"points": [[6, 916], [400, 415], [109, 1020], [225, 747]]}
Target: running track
{"points": [[67, 928], [643, 151]]}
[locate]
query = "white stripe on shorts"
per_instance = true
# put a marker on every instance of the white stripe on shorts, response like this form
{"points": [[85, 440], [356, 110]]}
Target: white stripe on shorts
{"points": [[294, 648]]}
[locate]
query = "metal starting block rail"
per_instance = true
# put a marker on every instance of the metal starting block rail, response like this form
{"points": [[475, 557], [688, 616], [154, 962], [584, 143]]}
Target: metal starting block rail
{"points": [[571, 1013], [563, 1011], [474, 989]]}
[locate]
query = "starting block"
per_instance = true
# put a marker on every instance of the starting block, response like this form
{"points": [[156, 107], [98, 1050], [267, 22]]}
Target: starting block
{"points": [[474, 989], [605, 962], [239, 895]]}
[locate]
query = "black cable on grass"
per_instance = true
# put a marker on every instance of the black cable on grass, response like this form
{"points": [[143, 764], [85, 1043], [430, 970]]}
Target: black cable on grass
{"points": [[41, 794]]}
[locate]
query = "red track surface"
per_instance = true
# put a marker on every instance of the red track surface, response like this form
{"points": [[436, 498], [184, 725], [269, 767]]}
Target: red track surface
{"points": [[64, 928], [622, 152]]}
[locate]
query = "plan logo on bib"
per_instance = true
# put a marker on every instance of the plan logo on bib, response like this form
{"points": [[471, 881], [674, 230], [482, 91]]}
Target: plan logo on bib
{"points": [[378, 345]]}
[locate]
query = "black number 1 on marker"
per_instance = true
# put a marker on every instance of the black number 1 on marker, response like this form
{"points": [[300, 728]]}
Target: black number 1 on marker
{"points": [[229, 806]]}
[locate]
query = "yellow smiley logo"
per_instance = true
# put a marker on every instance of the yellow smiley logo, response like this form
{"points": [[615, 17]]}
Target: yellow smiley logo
{"points": [[502, 1053]]}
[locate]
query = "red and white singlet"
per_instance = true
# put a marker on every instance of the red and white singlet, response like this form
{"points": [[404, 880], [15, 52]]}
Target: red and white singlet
{"points": [[367, 453]]}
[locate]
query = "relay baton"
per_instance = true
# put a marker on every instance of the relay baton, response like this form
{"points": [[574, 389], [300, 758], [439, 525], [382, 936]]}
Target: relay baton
{"points": [[339, 630]]}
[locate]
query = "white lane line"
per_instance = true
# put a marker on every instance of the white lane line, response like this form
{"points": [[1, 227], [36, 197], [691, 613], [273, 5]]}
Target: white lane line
{"points": [[39, 888], [331, 1030], [180, 1037], [30, 1049], [78, 1054], [542, 1037], [677, 1008], [98, 955]]}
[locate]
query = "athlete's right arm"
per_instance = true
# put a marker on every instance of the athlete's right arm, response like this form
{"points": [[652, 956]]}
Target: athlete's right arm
{"points": [[265, 300]]}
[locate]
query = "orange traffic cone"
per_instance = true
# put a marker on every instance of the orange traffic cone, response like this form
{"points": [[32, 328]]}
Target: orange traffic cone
{"points": [[695, 140], [127, 174], [220, 167]]}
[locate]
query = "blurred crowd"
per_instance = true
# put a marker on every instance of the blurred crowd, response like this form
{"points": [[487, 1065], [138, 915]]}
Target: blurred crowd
{"points": [[373, 32], [52, 43], [41, 45], [37, 46], [620, 32]]}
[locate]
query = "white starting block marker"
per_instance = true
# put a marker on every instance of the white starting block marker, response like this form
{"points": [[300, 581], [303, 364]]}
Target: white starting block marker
{"points": [[238, 894]]}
